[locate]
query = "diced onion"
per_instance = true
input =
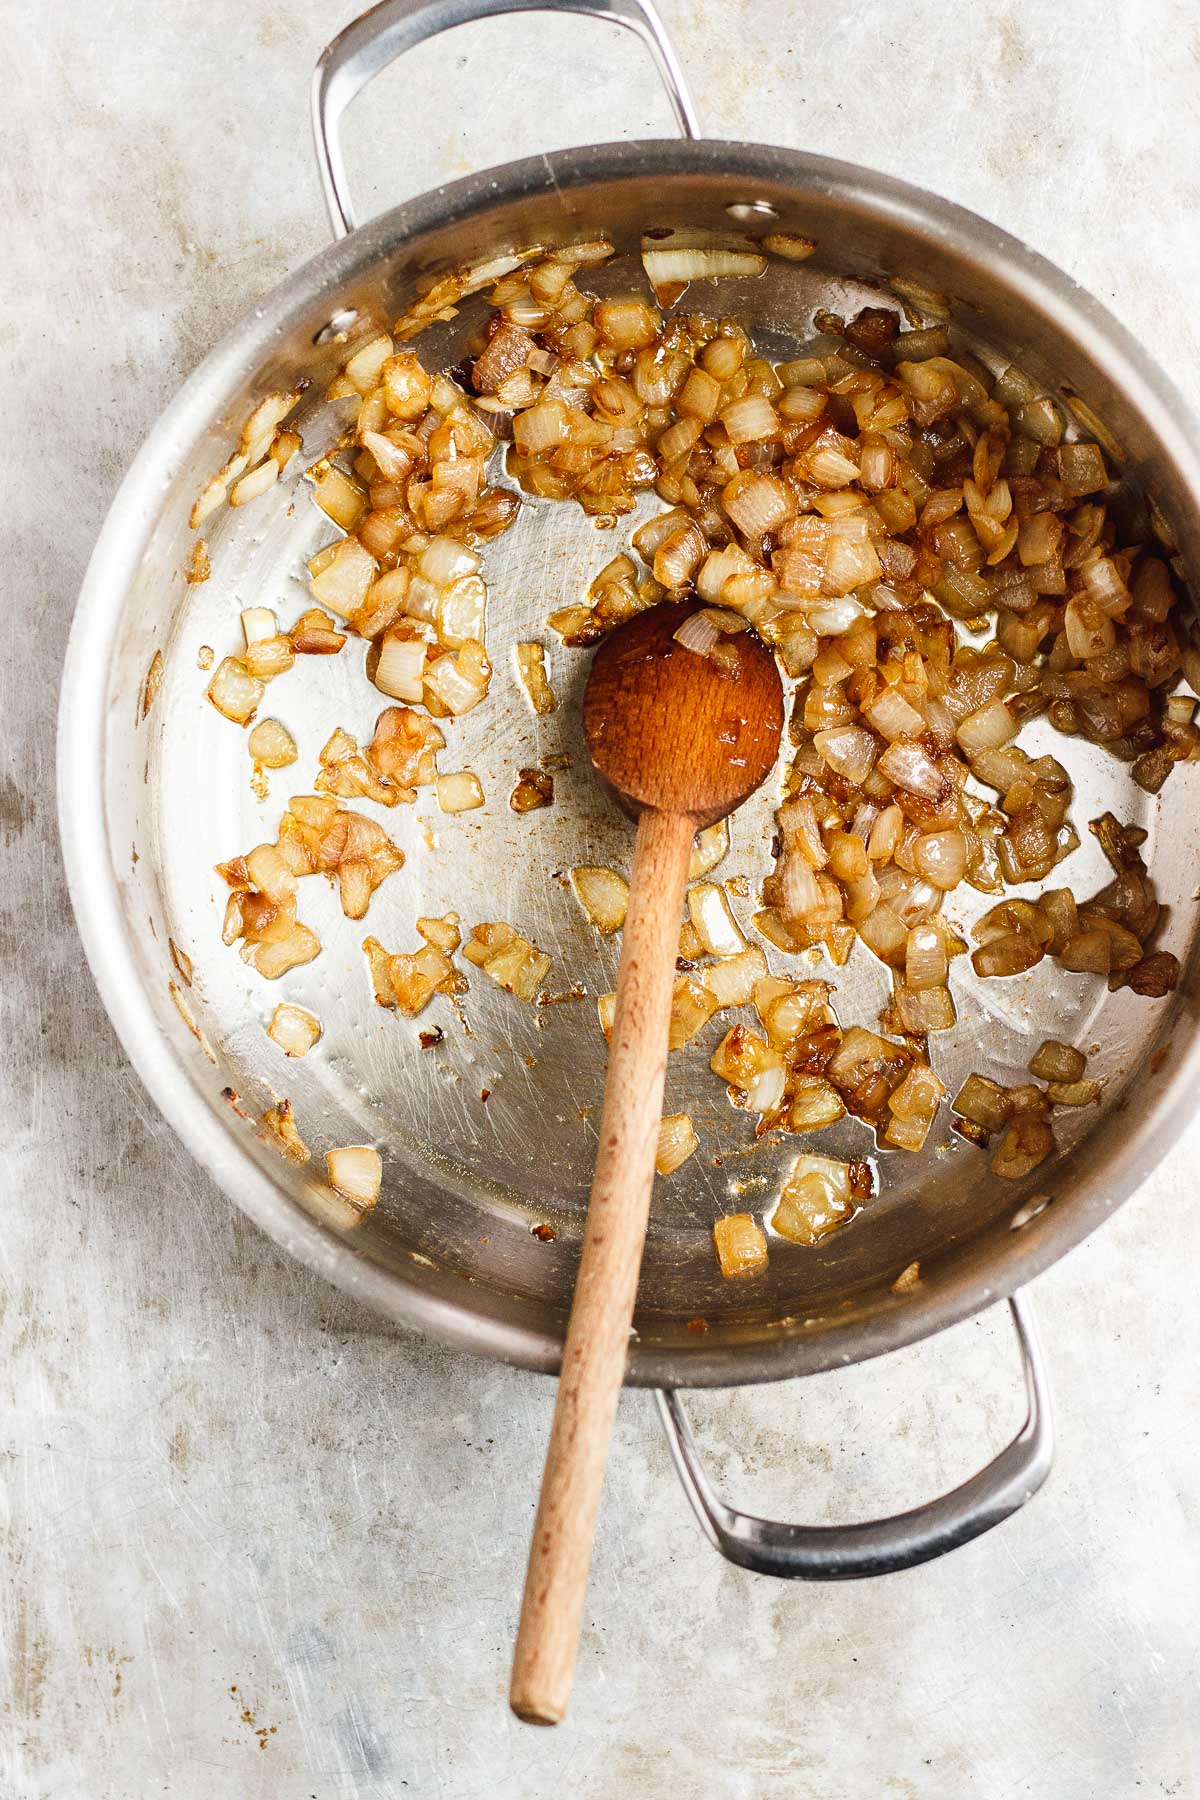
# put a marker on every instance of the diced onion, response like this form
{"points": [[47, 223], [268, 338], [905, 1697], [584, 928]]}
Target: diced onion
{"points": [[815, 1200], [740, 1245], [400, 671], [603, 894], [272, 744], [460, 792], [294, 1029], [708, 908], [676, 1142], [356, 1172], [234, 691], [1054, 1061]]}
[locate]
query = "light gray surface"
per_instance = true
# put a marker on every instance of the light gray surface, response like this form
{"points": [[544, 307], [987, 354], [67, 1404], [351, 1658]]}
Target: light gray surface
{"points": [[216, 1474]]}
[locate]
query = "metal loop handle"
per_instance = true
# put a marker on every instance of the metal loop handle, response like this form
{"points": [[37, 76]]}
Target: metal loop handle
{"points": [[880, 1546], [371, 42]]}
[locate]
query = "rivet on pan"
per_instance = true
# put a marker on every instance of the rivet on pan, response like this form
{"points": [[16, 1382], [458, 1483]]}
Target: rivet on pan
{"points": [[337, 327], [745, 210], [1025, 1215]]}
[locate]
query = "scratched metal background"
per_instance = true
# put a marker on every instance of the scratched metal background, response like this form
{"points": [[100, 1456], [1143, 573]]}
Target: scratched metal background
{"points": [[258, 1544]]}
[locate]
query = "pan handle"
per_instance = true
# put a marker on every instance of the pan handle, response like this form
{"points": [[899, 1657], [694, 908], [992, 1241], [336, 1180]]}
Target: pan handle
{"points": [[880, 1546], [379, 36]]}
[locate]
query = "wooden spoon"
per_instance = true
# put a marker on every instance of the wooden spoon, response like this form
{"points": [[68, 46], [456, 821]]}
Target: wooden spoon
{"points": [[680, 739]]}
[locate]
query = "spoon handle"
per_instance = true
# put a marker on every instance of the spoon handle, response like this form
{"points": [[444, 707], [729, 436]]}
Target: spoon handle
{"points": [[593, 1364]]}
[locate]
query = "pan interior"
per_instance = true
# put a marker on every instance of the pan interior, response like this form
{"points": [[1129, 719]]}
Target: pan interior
{"points": [[491, 1131]]}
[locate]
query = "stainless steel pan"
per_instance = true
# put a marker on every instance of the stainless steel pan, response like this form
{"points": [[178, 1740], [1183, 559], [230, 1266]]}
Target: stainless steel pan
{"points": [[149, 804]]}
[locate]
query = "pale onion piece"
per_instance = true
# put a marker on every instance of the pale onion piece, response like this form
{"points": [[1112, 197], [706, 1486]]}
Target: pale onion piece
{"points": [[338, 495], [207, 501], [792, 246], [603, 894], [733, 979], [512, 961], [912, 769], [414, 978], [790, 1010], [692, 1006], [285, 445], [462, 612], [983, 1102], [801, 405], [340, 576], [769, 922], [258, 624], [751, 419], [272, 745], [990, 728], [278, 955], [847, 750], [280, 1125], [460, 792], [670, 267], [918, 1014], [406, 385], [711, 845], [831, 468], [814, 1105], [742, 1058], [255, 483], [234, 691], [1025, 1144], [379, 963], [886, 834], [767, 1089], [364, 369], [531, 667], [756, 502], [269, 657], [832, 618], [709, 911], [926, 964], [1074, 1093], [392, 460], [345, 771], [941, 857], [676, 1142], [1055, 1061], [626, 323], [460, 682], [400, 671], [356, 1173], [892, 717], [606, 1009], [913, 1105], [270, 873], [697, 633], [294, 1029], [541, 427], [815, 1200], [444, 560], [800, 893], [1089, 629], [442, 933], [741, 1246]]}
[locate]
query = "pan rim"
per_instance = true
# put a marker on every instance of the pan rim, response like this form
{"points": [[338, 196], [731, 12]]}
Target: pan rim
{"points": [[84, 701]]}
